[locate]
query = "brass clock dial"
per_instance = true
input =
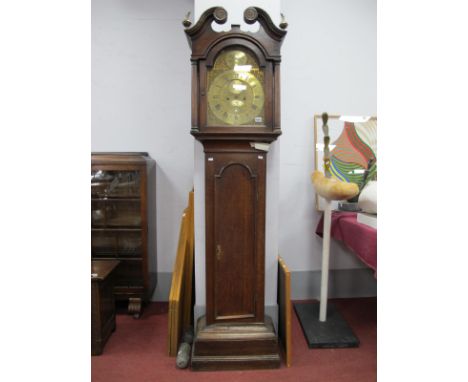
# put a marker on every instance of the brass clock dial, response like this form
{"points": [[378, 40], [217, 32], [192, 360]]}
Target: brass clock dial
{"points": [[235, 90], [236, 98], [235, 57]]}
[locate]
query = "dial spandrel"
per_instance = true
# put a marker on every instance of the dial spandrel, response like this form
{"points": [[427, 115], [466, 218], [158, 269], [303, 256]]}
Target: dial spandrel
{"points": [[235, 90]]}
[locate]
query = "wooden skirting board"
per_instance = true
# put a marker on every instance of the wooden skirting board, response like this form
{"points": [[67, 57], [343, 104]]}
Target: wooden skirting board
{"points": [[285, 310], [180, 296]]}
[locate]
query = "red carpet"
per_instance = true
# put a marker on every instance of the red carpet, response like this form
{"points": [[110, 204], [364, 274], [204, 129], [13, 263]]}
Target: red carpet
{"points": [[136, 352]]}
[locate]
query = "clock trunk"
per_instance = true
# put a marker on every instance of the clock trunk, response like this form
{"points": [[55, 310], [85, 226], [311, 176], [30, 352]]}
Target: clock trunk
{"points": [[235, 232]]}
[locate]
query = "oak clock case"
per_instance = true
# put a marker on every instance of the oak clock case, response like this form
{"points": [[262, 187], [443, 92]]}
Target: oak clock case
{"points": [[235, 102]]}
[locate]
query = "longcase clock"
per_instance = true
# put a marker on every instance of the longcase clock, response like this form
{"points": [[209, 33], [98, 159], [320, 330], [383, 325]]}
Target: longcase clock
{"points": [[235, 104]]}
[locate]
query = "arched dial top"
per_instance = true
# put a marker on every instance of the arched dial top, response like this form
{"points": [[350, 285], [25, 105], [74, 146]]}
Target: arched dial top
{"points": [[235, 86]]}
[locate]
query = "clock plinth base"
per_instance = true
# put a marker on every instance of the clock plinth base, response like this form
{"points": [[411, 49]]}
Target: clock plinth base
{"points": [[235, 346]]}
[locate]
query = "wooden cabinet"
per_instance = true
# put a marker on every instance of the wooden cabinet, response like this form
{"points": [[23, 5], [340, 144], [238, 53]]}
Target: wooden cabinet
{"points": [[102, 303], [123, 222]]}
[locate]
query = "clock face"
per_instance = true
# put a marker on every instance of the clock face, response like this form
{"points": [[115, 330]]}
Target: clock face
{"points": [[235, 90]]}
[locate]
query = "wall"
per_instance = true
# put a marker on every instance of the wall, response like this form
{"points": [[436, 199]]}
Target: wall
{"points": [[141, 102], [329, 64]]}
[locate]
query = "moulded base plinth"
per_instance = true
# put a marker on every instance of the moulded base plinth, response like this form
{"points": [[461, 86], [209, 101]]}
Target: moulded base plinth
{"points": [[235, 346]]}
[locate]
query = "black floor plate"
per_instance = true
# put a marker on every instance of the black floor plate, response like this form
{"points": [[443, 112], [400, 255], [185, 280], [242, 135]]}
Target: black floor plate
{"points": [[334, 333]]}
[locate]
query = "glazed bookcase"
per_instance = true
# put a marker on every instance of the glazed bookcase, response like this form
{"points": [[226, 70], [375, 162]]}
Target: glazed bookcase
{"points": [[123, 210]]}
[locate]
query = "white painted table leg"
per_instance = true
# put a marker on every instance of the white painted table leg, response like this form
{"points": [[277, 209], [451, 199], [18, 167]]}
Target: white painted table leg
{"points": [[325, 261]]}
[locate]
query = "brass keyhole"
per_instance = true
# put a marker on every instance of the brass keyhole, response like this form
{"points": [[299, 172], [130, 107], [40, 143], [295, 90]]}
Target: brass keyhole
{"points": [[219, 252]]}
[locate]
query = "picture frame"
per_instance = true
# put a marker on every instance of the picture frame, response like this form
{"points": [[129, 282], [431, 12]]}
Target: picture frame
{"points": [[353, 142]]}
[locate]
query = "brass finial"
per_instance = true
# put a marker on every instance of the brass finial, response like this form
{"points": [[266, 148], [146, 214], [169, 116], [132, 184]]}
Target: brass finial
{"points": [[186, 22], [283, 23]]}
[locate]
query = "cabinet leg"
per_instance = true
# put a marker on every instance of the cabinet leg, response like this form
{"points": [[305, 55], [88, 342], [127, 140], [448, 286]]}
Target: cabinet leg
{"points": [[134, 307]]}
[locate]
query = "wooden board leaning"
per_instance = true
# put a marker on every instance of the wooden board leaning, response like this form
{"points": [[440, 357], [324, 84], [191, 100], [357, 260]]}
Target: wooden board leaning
{"points": [[285, 309], [180, 296]]}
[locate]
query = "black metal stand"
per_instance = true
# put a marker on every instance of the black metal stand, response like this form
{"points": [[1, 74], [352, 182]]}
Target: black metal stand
{"points": [[333, 333]]}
